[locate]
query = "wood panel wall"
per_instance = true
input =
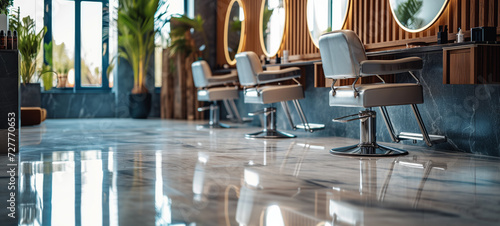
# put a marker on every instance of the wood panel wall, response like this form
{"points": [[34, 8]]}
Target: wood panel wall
{"points": [[372, 20]]}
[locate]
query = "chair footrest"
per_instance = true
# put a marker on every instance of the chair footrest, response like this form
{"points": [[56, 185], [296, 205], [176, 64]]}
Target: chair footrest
{"points": [[204, 108], [435, 139], [246, 119], [243, 119], [348, 119], [260, 112], [311, 127]]}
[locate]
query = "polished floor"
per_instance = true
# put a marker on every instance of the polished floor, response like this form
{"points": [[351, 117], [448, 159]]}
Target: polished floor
{"points": [[158, 172]]}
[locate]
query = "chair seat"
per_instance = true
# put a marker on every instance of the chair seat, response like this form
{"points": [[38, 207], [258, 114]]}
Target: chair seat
{"points": [[218, 93], [375, 95], [273, 94]]}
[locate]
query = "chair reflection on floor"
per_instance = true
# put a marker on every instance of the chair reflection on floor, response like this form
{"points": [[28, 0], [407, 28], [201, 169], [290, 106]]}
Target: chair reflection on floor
{"points": [[262, 200]]}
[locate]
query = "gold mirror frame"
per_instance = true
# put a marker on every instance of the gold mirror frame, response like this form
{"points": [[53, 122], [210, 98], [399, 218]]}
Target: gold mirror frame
{"points": [[226, 32], [261, 23], [343, 24], [424, 27]]}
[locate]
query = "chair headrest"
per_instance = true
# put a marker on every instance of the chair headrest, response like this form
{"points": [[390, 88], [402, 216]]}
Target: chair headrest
{"points": [[201, 73], [248, 66], [341, 53]]}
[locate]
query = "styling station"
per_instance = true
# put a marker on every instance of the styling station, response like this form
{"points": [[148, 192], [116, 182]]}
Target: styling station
{"points": [[259, 112]]}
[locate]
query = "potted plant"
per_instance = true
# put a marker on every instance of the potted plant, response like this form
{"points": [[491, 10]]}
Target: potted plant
{"points": [[62, 65], [136, 33], [29, 45]]}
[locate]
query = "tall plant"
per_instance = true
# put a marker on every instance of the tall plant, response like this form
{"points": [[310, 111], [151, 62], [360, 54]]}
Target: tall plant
{"points": [[29, 45], [4, 6], [136, 33], [181, 42]]}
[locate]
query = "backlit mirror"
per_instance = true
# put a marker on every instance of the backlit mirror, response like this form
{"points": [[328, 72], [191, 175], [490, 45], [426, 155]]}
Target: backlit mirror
{"points": [[272, 25], [416, 15], [325, 16], [234, 29]]}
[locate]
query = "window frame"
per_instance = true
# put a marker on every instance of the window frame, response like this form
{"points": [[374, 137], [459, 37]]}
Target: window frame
{"points": [[106, 17]]}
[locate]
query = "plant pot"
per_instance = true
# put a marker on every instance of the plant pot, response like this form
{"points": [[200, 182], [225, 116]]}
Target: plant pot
{"points": [[31, 95], [61, 81], [139, 105]]}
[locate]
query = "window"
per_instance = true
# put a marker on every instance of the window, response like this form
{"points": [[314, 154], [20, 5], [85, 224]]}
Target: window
{"points": [[83, 36], [79, 31], [172, 8]]}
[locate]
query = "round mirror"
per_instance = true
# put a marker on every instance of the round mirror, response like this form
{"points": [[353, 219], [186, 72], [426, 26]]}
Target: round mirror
{"points": [[234, 29], [416, 15], [272, 25], [325, 16]]}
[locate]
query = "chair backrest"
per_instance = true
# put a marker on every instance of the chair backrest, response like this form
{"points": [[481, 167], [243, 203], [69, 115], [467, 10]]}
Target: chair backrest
{"points": [[248, 66], [341, 54], [201, 73]]}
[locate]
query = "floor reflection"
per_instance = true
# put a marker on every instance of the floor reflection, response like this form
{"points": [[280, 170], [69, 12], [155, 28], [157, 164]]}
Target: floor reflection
{"points": [[214, 177]]}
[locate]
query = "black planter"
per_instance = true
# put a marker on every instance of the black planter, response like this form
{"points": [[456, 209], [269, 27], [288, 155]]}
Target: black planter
{"points": [[31, 95], [139, 105]]}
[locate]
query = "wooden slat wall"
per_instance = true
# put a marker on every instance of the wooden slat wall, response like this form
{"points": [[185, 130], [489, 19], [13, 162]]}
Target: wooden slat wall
{"points": [[372, 20]]}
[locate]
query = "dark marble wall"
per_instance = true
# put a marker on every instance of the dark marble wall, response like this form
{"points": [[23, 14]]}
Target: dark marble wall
{"points": [[79, 105], [467, 114], [9, 133], [207, 9]]}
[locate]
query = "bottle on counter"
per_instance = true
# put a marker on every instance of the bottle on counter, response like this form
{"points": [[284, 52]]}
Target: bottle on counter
{"points": [[285, 56], [277, 59], [460, 36], [3, 40], [14, 40], [9, 39], [442, 34]]}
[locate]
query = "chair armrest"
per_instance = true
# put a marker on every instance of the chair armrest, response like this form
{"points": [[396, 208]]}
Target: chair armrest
{"points": [[279, 75], [223, 79], [384, 67]]}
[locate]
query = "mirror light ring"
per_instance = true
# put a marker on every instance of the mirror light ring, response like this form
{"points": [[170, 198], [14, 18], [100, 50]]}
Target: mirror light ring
{"points": [[424, 27], [261, 23], [343, 23], [226, 32]]}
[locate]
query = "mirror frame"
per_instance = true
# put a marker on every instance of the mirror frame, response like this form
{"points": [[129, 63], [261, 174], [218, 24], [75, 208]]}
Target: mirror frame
{"points": [[261, 22], [226, 31], [445, 4], [343, 24]]}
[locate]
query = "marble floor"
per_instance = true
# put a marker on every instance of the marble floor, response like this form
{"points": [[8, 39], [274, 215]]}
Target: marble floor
{"points": [[162, 172]]}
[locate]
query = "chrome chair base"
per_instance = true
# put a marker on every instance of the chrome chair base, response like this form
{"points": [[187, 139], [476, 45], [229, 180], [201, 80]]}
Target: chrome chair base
{"points": [[272, 134], [367, 145], [269, 130], [373, 150], [213, 122]]}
